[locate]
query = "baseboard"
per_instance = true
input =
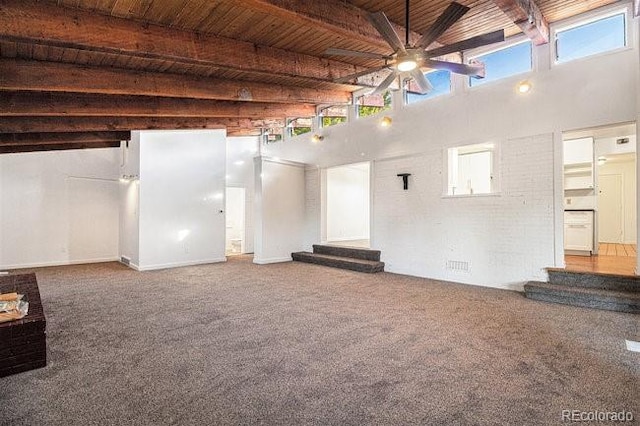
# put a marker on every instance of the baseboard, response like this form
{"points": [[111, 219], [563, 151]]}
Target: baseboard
{"points": [[61, 263], [329, 241], [179, 264], [272, 260]]}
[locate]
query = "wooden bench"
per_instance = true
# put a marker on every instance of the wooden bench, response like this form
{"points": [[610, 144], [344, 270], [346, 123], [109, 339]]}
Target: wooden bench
{"points": [[23, 343]]}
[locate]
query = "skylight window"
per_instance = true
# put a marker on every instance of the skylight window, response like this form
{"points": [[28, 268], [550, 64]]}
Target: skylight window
{"points": [[300, 126], [369, 105], [441, 82], [330, 116], [508, 61], [592, 37]]}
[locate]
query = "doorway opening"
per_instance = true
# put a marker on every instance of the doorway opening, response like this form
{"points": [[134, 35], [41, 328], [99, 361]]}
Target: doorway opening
{"points": [[600, 213], [348, 205], [235, 221]]}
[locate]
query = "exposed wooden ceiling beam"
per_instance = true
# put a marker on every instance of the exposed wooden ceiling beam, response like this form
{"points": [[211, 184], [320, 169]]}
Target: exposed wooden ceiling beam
{"points": [[16, 74], [17, 139], [36, 22], [337, 16], [71, 104], [99, 124], [527, 15], [57, 147]]}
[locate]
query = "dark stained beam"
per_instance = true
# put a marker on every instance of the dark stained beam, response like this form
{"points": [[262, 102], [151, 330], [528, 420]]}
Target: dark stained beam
{"points": [[527, 15], [101, 124], [70, 104], [16, 74], [57, 147], [41, 23], [336, 16], [17, 139]]}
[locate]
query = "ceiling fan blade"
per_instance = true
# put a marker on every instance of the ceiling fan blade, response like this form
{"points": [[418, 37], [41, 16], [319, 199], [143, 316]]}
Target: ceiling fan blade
{"points": [[422, 81], [382, 24], [355, 53], [382, 87], [475, 69], [450, 16], [353, 76], [470, 43]]}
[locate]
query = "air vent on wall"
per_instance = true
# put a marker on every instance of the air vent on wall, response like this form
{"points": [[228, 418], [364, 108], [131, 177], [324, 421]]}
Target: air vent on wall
{"points": [[460, 266], [125, 260], [622, 141]]}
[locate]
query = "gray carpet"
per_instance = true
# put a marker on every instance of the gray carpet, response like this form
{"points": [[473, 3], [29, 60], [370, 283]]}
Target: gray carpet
{"points": [[295, 343]]}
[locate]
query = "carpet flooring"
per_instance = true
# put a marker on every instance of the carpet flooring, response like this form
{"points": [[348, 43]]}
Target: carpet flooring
{"points": [[293, 343]]}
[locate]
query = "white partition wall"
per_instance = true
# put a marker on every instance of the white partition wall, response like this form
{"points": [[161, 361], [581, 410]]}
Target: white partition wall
{"points": [[180, 198], [58, 208], [279, 210]]}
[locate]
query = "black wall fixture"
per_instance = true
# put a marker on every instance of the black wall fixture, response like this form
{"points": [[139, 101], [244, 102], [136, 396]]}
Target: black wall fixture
{"points": [[405, 179]]}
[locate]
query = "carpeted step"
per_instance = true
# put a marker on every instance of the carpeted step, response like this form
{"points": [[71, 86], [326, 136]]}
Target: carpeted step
{"points": [[352, 252], [359, 265], [611, 300], [613, 282]]}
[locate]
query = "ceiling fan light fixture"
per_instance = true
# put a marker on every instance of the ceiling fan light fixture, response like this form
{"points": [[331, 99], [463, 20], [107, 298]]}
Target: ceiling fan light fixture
{"points": [[407, 65]]}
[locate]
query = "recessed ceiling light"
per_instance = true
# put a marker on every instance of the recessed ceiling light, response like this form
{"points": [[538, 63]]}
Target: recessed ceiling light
{"points": [[316, 138]]}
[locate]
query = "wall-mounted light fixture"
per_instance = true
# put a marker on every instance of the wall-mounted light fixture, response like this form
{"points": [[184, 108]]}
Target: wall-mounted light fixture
{"points": [[524, 87], [386, 121], [128, 178], [317, 138]]}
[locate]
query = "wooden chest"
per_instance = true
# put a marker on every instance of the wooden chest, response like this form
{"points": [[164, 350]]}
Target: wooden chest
{"points": [[23, 343]]}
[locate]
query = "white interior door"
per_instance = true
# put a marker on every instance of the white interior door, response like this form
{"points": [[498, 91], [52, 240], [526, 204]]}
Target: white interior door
{"points": [[610, 209], [235, 221]]}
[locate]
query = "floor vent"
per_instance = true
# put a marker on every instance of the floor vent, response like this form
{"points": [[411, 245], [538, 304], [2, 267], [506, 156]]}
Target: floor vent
{"points": [[125, 260], [458, 266]]}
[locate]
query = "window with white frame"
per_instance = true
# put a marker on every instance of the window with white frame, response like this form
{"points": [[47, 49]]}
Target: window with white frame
{"points": [[300, 125], [332, 115], [440, 81], [368, 105], [513, 59], [471, 169], [592, 36]]}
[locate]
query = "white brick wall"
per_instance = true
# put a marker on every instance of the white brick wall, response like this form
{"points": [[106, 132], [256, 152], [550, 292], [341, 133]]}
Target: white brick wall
{"points": [[506, 239], [312, 202]]}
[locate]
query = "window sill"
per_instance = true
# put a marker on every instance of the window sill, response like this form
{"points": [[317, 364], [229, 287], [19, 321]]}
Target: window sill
{"points": [[491, 194]]}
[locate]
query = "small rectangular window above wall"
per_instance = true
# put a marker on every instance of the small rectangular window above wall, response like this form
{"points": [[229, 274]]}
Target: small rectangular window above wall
{"points": [[505, 62], [273, 134], [439, 79], [300, 126], [592, 36], [332, 115], [471, 170], [369, 105]]}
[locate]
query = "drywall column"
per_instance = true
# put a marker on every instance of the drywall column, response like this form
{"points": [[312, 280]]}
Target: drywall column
{"points": [[279, 210], [180, 186]]}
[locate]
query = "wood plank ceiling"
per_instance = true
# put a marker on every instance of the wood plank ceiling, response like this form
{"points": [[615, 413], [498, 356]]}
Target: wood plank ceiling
{"points": [[94, 67]]}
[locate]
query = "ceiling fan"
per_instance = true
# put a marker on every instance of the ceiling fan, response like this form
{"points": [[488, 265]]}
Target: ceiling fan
{"points": [[407, 60]]}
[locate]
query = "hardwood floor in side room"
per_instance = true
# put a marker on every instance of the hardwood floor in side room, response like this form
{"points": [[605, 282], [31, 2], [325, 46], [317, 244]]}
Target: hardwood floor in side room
{"points": [[611, 259]]}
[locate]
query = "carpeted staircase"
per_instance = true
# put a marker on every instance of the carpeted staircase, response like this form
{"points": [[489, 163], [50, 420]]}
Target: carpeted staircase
{"points": [[354, 259], [590, 290]]}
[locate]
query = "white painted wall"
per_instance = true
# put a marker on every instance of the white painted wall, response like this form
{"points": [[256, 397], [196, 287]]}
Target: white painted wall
{"points": [[130, 200], [348, 202], [181, 197], [506, 239], [279, 210], [59, 207], [240, 174]]}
